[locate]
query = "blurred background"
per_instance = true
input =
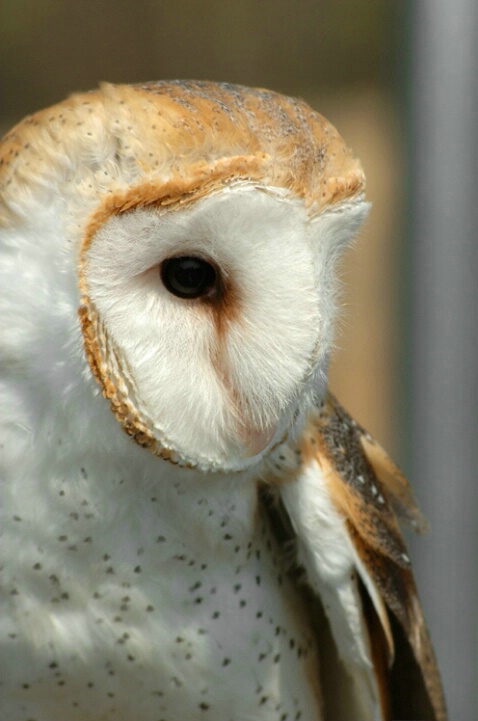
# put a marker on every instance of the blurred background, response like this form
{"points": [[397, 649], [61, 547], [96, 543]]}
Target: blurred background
{"points": [[399, 80]]}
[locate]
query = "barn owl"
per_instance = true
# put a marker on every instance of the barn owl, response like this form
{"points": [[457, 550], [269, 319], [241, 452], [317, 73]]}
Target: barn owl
{"points": [[168, 269]]}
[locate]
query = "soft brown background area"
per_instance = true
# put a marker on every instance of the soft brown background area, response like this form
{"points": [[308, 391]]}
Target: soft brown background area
{"points": [[365, 370], [54, 46], [338, 56]]}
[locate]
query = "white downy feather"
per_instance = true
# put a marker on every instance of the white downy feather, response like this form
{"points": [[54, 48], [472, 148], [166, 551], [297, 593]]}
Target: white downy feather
{"points": [[325, 551]]}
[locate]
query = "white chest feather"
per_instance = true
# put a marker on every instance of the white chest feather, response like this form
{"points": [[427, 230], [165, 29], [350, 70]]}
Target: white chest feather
{"points": [[167, 605], [326, 553]]}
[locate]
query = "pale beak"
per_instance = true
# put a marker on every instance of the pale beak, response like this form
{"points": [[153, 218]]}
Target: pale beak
{"points": [[255, 441]]}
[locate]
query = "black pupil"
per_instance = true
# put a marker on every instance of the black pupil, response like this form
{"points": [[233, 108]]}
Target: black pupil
{"points": [[188, 277]]}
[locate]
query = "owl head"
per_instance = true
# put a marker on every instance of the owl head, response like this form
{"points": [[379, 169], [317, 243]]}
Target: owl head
{"points": [[176, 243]]}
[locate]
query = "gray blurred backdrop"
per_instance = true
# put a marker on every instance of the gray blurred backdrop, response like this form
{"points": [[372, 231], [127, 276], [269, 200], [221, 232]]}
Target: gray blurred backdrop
{"points": [[399, 80]]}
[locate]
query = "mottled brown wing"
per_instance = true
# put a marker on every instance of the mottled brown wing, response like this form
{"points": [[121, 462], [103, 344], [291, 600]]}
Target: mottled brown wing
{"points": [[367, 488]]}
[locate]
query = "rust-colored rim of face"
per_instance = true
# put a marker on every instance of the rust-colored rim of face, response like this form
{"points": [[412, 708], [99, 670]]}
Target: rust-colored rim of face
{"points": [[162, 195]]}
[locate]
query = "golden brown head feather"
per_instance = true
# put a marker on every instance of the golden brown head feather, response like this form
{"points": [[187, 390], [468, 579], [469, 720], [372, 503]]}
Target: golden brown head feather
{"points": [[181, 136]]}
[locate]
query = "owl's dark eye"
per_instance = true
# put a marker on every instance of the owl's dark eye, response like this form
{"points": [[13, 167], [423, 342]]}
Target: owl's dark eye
{"points": [[188, 277]]}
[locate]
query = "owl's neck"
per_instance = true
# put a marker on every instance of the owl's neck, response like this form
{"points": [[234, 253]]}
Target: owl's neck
{"points": [[124, 497], [187, 506], [72, 457]]}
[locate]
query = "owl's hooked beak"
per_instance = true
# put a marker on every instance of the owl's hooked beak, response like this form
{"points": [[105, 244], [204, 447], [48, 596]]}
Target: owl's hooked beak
{"points": [[256, 441]]}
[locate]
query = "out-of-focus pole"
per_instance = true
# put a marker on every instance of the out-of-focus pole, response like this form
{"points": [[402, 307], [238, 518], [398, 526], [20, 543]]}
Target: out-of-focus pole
{"points": [[445, 332]]}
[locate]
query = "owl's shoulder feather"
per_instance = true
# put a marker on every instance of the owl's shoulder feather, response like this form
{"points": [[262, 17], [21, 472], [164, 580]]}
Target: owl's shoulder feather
{"points": [[342, 511]]}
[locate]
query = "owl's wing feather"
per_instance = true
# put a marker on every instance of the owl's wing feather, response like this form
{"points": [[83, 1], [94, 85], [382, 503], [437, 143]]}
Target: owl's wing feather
{"points": [[398, 489], [342, 511]]}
